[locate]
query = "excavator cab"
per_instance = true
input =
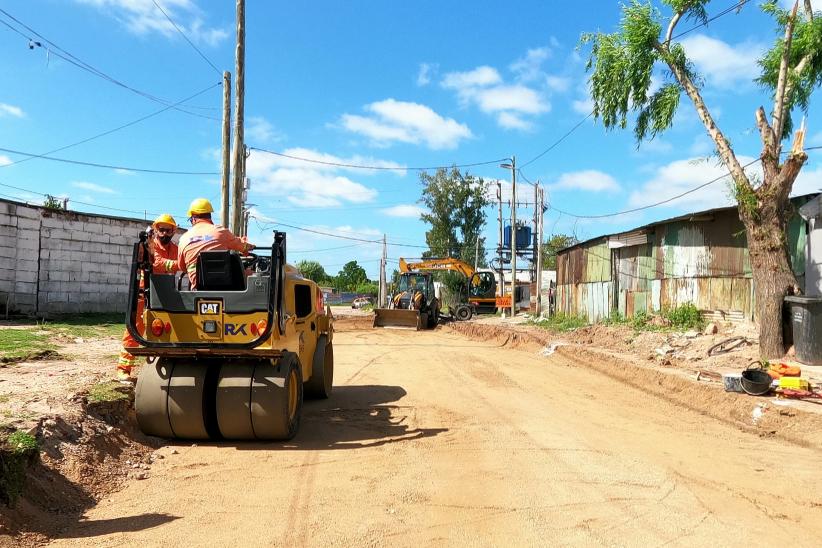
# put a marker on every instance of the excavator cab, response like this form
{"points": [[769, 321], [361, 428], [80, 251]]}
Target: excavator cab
{"points": [[413, 306]]}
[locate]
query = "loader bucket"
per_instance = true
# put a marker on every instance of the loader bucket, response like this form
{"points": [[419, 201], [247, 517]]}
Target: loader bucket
{"points": [[399, 318]]}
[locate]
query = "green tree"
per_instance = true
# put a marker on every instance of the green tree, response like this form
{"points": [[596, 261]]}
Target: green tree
{"points": [[52, 203], [455, 214], [552, 246], [312, 270], [621, 66], [351, 276]]}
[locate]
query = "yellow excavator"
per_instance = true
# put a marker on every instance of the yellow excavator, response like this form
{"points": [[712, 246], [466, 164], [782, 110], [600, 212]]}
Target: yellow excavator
{"points": [[233, 358], [415, 305]]}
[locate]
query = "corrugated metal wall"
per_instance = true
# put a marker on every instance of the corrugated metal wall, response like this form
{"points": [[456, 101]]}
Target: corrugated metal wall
{"points": [[703, 261]]}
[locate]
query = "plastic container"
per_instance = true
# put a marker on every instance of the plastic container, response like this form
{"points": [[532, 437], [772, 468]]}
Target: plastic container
{"points": [[794, 383], [806, 322], [732, 382]]}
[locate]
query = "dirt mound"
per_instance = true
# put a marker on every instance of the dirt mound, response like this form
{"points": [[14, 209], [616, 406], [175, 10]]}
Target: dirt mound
{"points": [[85, 454]]}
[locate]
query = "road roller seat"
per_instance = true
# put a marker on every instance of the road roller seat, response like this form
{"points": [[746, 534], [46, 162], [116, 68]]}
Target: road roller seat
{"points": [[220, 271]]}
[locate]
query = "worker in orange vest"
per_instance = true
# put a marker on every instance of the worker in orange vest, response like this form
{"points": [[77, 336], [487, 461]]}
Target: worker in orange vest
{"points": [[164, 261], [204, 235]]}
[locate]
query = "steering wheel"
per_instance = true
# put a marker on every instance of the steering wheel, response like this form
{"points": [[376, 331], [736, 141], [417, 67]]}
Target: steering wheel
{"points": [[250, 260]]}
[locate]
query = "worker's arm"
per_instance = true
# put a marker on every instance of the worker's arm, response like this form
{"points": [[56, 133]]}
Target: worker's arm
{"points": [[230, 241], [161, 265]]}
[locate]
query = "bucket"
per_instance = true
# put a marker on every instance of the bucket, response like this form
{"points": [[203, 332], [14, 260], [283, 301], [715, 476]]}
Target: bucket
{"points": [[755, 381], [732, 382]]}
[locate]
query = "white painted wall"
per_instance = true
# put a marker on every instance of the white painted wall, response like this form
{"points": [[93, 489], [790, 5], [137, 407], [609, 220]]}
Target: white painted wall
{"points": [[813, 264]]}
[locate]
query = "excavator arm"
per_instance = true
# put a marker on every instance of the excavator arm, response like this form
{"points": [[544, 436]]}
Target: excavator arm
{"points": [[448, 264]]}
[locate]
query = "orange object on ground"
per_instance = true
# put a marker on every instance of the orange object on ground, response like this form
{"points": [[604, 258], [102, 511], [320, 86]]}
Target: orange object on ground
{"points": [[164, 261], [206, 236], [779, 370]]}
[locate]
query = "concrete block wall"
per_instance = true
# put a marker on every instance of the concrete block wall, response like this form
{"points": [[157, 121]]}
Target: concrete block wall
{"points": [[62, 262]]}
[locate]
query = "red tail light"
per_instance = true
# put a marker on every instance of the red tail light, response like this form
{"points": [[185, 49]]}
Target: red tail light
{"points": [[168, 328], [157, 327], [254, 329], [261, 325], [320, 302]]}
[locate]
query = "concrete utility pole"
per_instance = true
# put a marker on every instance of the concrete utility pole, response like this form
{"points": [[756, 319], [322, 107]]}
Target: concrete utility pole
{"points": [[540, 236], [501, 240], [226, 160], [383, 280], [476, 254], [513, 236], [238, 154]]}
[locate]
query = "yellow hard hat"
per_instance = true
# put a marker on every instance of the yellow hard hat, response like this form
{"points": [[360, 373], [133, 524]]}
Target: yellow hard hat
{"points": [[165, 219], [199, 206]]}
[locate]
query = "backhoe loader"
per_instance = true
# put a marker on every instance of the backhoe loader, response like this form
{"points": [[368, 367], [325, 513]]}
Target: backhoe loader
{"points": [[232, 359], [480, 294]]}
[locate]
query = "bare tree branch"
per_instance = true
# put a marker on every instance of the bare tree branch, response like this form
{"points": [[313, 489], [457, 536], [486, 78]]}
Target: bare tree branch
{"points": [[722, 145], [674, 20], [769, 156], [779, 103], [808, 10]]}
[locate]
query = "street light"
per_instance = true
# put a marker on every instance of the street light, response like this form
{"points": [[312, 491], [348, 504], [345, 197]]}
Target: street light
{"points": [[513, 167]]}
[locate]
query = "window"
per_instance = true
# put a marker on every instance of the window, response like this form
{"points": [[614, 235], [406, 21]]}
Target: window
{"points": [[303, 303]]}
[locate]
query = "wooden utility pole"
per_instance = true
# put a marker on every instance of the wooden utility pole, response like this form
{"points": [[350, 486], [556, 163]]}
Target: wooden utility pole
{"points": [[238, 154], [226, 160]]}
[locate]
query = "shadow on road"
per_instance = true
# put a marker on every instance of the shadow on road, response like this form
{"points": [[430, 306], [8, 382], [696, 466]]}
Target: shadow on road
{"points": [[128, 524], [354, 417]]}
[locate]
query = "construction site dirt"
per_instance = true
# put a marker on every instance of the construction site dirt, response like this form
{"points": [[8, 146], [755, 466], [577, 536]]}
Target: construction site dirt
{"points": [[476, 438]]}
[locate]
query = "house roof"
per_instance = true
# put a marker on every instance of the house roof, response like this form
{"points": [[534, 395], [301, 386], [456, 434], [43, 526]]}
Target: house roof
{"points": [[690, 216]]}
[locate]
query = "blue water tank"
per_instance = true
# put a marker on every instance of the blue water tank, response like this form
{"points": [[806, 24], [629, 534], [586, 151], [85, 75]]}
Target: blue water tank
{"points": [[523, 237]]}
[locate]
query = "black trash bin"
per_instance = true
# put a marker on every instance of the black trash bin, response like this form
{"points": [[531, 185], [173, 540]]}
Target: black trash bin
{"points": [[806, 321]]}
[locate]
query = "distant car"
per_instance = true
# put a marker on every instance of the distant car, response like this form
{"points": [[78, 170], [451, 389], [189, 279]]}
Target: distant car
{"points": [[360, 302]]}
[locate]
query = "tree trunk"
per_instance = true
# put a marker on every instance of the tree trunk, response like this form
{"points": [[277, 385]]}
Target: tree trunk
{"points": [[773, 276]]}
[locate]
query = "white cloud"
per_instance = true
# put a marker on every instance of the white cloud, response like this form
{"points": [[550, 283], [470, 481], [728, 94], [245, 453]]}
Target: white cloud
{"points": [[260, 130], [589, 180], [5, 160], [11, 110], [684, 175], [479, 77], [121, 171], [722, 64], [509, 120], [304, 184], [557, 83], [583, 106], [405, 210], [400, 121], [702, 146], [511, 98], [425, 72], [529, 68], [142, 17], [93, 187]]}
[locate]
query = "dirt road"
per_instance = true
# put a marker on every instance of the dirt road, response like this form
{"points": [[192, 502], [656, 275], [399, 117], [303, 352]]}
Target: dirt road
{"points": [[431, 439]]}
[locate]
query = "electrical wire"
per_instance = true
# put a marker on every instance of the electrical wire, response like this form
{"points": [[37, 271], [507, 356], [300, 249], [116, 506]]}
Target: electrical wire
{"points": [[726, 11], [190, 43], [57, 51], [380, 168], [107, 166], [558, 141], [109, 132]]}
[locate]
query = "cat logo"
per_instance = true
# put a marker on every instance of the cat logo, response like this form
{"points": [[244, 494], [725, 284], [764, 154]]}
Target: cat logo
{"points": [[209, 308]]}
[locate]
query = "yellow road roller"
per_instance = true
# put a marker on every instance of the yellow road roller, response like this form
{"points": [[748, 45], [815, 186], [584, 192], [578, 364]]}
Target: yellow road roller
{"points": [[233, 358]]}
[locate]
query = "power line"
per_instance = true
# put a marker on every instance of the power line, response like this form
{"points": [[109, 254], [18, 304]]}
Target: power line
{"points": [[109, 132], [726, 11], [381, 168], [190, 43], [107, 166], [558, 141], [57, 51]]}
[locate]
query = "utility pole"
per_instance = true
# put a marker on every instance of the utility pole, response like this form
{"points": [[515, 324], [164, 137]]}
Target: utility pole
{"points": [[534, 245], [501, 240], [513, 236], [540, 236], [226, 160], [476, 254], [238, 155], [383, 280]]}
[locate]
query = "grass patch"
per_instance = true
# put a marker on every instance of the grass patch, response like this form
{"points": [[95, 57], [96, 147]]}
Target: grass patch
{"points": [[105, 392], [21, 344], [559, 322], [87, 326], [685, 317], [18, 451]]}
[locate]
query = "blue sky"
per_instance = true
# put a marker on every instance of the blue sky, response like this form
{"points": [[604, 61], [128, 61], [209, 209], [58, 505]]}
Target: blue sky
{"points": [[380, 83]]}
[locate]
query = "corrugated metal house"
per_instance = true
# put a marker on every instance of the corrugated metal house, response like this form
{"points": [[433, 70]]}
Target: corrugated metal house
{"points": [[700, 258]]}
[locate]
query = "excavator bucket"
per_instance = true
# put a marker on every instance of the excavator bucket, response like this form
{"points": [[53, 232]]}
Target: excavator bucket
{"points": [[399, 319]]}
